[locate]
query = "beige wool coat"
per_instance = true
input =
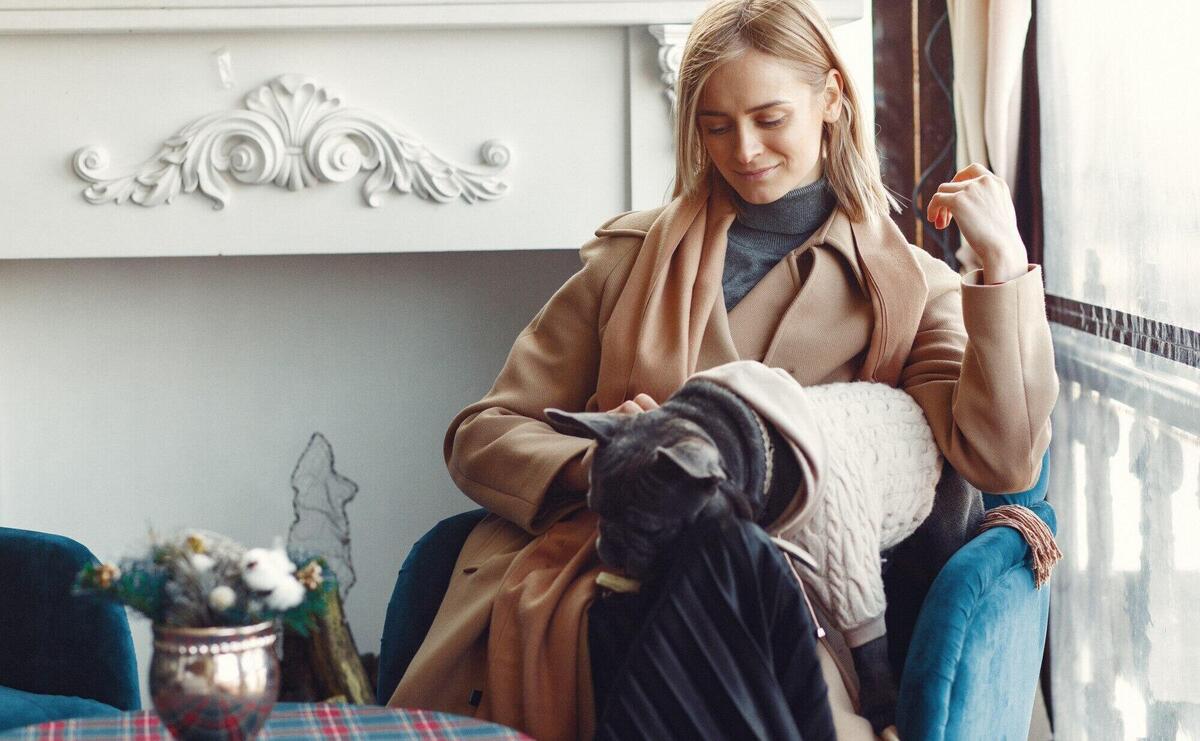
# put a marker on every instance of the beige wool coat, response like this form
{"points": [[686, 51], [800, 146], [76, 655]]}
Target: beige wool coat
{"points": [[851, 303]]}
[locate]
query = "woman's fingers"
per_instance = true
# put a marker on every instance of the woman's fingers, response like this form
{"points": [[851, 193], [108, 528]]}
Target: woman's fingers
{"points": [[972, 170], [980, 202], [939, 210], [954, 186], [646, 402], [636, 405]]}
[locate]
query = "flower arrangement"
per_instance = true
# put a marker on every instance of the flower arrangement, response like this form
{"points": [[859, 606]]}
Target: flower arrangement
{"points": [[203, 580]]}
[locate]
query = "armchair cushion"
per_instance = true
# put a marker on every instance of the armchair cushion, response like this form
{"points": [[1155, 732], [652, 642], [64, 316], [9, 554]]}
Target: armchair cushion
{"points": [[19, 708]]}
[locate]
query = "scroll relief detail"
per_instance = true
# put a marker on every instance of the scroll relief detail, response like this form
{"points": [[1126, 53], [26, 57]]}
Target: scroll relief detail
{"points": [[294, 133], [671, 39]]}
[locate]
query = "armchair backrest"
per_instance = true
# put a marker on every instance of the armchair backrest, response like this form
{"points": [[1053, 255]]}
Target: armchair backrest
{"points": [[53, 642]]}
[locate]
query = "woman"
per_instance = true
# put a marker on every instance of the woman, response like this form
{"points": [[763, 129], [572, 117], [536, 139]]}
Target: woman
{"points": [[777, 247]]}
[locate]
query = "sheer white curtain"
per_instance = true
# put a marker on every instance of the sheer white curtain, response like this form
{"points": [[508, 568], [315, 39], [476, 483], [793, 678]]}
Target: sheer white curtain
{"points": [[987, 39]]}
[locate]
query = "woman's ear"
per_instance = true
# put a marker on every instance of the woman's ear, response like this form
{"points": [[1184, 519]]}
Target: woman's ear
{"points": [[831, 96]]}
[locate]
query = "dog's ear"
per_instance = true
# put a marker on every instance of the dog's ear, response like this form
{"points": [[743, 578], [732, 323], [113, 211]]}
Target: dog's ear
{"points": [[596, 425], [697, 458]]}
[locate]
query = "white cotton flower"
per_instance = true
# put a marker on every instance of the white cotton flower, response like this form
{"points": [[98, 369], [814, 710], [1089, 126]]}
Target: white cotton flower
{"points": [[263, 570], [201, 562], [286, 595], [221, 598]]}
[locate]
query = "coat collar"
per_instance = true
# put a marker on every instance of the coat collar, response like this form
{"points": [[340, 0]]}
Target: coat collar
{"points": [[898, 291]]}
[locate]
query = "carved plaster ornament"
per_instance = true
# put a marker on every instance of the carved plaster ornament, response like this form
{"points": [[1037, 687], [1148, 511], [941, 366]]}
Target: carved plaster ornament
{"points": [[295, 133], [671, 39]]}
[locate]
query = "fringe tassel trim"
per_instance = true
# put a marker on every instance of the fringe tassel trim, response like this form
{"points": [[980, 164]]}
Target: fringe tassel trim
{"points": [[1044, 552]]}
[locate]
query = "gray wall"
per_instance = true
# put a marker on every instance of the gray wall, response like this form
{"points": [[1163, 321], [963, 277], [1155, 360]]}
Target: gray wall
{"points": [[179, 392]]}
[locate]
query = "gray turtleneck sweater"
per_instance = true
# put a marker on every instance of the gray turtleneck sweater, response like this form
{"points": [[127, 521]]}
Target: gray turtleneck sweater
{"points": [[762, 234]]}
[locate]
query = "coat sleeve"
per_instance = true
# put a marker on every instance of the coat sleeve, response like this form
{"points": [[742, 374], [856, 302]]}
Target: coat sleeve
{"points": [[501, 451], [982, 369]]}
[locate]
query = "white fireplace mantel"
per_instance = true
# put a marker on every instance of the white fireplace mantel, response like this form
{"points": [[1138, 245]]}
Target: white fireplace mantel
{"points": [[143, 128], [153, 16]]}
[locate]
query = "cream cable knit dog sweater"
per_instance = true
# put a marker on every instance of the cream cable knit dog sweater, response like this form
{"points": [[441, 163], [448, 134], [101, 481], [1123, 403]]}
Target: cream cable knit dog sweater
{"points": [[882, 469], [871, 463]]}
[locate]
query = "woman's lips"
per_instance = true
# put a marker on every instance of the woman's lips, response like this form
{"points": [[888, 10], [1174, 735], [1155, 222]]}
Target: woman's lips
{"points": [[758, 174]]}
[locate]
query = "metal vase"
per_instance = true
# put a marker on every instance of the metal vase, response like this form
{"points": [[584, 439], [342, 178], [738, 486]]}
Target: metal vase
{"points": [[214, 684]]}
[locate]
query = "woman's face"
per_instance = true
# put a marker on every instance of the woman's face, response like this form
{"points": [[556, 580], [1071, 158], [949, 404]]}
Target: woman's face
{"points": [[761, 125]]}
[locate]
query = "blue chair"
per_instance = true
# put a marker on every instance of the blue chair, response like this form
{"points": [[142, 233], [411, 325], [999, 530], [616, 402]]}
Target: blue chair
{"points": [[61, 656], [422, 582], [970, 668], [976, 651]]}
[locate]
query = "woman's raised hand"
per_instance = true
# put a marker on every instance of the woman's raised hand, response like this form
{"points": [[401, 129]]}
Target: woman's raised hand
{"points": [[981, 203]]}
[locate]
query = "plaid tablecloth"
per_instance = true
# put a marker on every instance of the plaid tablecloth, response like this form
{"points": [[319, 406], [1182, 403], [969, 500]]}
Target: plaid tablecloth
{"points": [[288, 721]]}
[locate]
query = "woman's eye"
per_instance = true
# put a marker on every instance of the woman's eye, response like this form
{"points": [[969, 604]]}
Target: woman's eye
{"points": [[718, 130], [772, 123]]}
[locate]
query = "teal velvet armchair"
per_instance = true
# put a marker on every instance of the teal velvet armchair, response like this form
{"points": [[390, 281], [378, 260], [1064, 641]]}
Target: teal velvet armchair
{"points": [[971, 642], [61, 656]]}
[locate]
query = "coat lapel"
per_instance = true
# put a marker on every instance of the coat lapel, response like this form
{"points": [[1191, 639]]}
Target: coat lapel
{"points": [[718, 346], [756, 319], [775, 322], [898, 291]]}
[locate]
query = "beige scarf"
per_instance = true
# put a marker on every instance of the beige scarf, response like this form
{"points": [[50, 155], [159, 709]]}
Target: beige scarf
{"points": [[671, 290]]}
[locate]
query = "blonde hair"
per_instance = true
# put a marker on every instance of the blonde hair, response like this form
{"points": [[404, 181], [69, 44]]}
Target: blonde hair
{"points": [[795, 32]]}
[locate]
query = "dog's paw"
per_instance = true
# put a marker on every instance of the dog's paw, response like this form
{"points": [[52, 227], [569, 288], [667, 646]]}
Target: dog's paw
{"points": [[877, 691], [879, 709]]}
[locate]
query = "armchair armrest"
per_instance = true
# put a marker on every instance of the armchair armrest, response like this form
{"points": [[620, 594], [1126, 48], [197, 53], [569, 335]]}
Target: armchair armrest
{"points": [[973, 662]]}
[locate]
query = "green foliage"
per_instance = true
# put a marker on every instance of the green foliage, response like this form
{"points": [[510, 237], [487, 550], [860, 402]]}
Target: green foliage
{"points": [[303, 618], [197, 580]]}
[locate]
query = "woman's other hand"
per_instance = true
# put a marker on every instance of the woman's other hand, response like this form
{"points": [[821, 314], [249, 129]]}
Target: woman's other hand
{"points": [[636, 405], [578, 478], [981, 203]]}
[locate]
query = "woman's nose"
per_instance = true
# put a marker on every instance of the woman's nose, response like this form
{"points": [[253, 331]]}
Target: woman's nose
{"points": [[748, 147]]}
